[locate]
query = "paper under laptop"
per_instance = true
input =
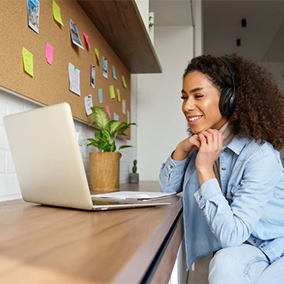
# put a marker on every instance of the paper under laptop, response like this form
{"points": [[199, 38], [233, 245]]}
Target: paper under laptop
{"points": [[132, 196], [48, 161]]}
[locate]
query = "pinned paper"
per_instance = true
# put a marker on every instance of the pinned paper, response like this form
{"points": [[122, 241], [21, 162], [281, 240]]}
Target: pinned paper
{"points": [[105, 69], [123, 106], [108, 111], [97, 53], [123, 82], [86, 38], [33, 14], [111, 92], [118, 95], [75, 35], [88, 104], [74, 79], [28, 61], [113, 73], [57, 13], [115, 116], [100, 96], [49, 53], [93, 76]]}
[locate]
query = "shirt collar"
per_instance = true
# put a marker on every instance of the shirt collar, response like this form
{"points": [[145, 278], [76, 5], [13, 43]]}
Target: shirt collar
{"points": [[238, 143]]}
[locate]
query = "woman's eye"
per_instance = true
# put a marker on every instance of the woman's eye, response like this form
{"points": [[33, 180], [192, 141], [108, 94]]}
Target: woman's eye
{"points": [[183, 97], [198, 96]]}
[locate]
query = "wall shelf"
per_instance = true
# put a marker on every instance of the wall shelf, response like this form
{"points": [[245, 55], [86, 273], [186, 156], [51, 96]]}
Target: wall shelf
{"points": [[121, 25]]}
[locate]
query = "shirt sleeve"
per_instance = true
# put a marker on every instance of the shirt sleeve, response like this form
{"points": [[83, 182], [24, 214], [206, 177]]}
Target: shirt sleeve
{"points": [[233, 223], [171, 175]]}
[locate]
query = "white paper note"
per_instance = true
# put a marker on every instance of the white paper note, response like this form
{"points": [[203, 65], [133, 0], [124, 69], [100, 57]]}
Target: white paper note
{"points": [[88, 104], [74, 79]]}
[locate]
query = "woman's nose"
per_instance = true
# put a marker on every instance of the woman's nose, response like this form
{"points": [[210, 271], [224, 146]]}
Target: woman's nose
{"points": [[189, 104]]}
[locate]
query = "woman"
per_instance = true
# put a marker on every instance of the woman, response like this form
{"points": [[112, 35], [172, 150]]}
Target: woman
{"points": [[230, 171]]}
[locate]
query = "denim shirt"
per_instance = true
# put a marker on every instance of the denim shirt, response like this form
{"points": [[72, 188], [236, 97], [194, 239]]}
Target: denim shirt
{"points": [[249, 207]]}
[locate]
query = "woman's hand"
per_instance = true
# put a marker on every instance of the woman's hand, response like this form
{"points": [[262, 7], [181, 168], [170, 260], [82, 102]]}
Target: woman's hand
{"points": [[211, 143], [186, 146]]}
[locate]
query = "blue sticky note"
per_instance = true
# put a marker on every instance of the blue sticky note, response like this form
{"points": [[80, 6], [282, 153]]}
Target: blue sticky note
{"points": [[100, 96], [113, 73]]}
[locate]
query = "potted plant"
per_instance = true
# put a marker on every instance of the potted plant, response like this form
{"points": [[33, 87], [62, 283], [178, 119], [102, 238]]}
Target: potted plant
{"points": [[134, 176], [104, 165]]}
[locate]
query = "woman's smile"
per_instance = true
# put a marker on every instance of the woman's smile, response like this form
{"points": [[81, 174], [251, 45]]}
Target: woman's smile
{"points": [[192, 119]]}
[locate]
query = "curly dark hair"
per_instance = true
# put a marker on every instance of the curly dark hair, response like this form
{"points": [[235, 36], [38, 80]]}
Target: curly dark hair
{"points": [[258, 102]]}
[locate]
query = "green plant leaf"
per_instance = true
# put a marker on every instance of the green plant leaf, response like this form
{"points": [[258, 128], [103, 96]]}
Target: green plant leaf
{"points": [[93, 142], [113, 147], [105, 147], [98, 134], [106, 135], [114, 126], [124, 146], [123, 128], [100, 116]]}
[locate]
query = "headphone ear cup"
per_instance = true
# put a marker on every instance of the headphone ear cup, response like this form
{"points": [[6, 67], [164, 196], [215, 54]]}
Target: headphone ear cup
{"points": [[226, 102]]}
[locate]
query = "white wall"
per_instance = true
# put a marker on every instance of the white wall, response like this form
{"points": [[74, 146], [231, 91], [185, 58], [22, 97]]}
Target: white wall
{"points": [[198, 26], [161, 124], [9, 187], [143, 7]]}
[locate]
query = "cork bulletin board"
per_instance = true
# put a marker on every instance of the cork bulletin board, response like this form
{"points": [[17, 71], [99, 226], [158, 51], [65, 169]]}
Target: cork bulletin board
{"points": [[50, 82]]}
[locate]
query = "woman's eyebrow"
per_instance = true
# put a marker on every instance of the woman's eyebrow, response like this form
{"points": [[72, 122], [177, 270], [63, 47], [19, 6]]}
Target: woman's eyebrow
{"points": [[192, 91]]}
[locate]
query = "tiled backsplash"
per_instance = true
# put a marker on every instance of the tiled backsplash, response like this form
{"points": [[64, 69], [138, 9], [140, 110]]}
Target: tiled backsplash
{"points": [[9, 187]]}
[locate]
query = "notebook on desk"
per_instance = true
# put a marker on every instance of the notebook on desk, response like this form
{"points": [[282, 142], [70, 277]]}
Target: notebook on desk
{"points": [[48, 161]]}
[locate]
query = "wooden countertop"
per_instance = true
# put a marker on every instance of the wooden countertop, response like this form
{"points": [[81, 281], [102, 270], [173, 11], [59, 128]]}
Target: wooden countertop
{"points": [[41, 244]]}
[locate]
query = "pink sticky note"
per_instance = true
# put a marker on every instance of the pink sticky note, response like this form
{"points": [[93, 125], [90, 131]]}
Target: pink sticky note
{"points": [[108, 111], [86, 37], [49, 53]]}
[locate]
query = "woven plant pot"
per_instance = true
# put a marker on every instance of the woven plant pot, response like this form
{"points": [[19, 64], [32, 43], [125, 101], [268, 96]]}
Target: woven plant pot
{"points": [[104, 172]]}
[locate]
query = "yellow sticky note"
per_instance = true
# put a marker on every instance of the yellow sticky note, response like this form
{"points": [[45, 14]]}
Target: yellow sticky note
{"points": [[111, 92], [118, 95], [57, 13], [123, 82], [28, 61], [97, 53]]}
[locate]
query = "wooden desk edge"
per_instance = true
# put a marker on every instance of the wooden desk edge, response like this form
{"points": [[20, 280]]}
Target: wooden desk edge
{"points": [[143, 259]]}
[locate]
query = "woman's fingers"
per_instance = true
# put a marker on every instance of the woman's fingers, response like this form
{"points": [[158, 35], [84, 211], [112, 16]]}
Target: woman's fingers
{"points": [[213, 138]]}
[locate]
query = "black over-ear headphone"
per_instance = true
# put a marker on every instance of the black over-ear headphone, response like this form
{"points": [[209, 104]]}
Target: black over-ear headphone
{"points": [[226, 103]]}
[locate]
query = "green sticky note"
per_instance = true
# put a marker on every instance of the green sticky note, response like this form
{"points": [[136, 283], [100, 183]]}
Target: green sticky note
{"points": [[57, 13], [118, 95], [97, 53], [111, 92], [28, 61], [123, 82]]}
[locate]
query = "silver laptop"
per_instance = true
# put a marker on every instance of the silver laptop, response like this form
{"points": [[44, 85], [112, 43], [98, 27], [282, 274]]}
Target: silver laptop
{"points": [[48, 161]]}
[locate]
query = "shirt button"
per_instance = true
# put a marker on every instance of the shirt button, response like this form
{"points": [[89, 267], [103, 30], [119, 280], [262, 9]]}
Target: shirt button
{"points": [[200, 197], [223, 168], [254, 241], [262, 246], [171, 166], [226, 150]]}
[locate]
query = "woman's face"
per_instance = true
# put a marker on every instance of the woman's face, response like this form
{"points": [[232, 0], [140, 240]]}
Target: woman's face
{"points": [[201, 103]]}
